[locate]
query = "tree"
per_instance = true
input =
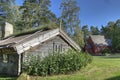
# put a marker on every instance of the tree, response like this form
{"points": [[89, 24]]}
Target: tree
{"points": [[7, 10], [108, 30], [94, 30], [71, 22], [36, 13], [112, 31], [29, 14], [86, 32], [78, 37], [70, 15]]}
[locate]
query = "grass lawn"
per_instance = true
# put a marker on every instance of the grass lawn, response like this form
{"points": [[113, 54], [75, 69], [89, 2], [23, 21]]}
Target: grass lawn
{"points": [[102, 68]]}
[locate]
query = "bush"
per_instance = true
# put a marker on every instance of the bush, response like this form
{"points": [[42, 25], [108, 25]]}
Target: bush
{"points": [[57, 63], [106, 51]]}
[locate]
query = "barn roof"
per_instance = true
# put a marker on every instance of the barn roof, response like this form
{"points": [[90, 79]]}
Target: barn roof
{"points": [[25, 42], [100, 40]]}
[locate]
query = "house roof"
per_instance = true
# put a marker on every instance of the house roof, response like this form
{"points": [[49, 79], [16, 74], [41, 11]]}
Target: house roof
{"points": [[22, 38], [100, 40], [25, 42]]}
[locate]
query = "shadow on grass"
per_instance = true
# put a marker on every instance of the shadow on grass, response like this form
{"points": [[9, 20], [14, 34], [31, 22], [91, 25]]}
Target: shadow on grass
{"points": [[22, 76], [109, 57], [8, 78], [114, 78]]}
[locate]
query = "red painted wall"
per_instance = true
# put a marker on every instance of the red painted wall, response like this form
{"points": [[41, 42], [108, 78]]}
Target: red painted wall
{"points": [[90, 47]]}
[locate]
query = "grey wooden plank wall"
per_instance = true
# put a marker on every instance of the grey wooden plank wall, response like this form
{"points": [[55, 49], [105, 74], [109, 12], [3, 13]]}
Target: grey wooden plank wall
{"points": [[54, 44]]}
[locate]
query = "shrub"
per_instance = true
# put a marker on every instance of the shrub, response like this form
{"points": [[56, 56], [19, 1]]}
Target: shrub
{"points": [[57, 63], [106, 51]]}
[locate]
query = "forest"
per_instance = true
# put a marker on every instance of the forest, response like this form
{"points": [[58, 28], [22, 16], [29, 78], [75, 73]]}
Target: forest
{"points": [[34, 14]]}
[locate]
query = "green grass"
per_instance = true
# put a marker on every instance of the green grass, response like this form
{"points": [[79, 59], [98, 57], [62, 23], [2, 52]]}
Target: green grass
{"points": [[102, 68], [8, 78]]}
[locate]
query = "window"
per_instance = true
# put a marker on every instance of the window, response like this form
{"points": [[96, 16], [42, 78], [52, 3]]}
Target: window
{"points": [[57, 47], [5, 58], [53, 46], [61, 47], [88, 46]]}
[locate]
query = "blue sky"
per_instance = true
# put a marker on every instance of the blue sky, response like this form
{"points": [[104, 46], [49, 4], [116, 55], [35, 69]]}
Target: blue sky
{"points": [[92, 12]]}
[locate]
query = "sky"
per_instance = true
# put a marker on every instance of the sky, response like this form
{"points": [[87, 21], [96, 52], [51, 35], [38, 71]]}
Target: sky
{"points": [[92, 12]]}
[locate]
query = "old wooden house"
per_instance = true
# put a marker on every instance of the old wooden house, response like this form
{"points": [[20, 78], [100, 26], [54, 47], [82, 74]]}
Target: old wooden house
{"points": [[15, 49], [96, 44]]}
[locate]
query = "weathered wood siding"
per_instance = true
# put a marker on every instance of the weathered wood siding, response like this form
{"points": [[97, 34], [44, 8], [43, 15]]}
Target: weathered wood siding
{"points": [[35, 41], [11, 66], [56, 44]]}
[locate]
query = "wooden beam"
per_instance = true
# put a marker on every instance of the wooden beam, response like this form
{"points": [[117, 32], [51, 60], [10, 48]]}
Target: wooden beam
{"points": [[19, 64], [69, 40]]}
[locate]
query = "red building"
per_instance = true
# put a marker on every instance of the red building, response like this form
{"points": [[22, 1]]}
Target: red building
{"points": [[96, 44]]}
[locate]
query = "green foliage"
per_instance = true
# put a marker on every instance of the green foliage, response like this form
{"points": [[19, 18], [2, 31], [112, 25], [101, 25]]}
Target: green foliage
{"points": [[112, 31], [70, 15], [57, 63], [110, 65], [31, 14], [94, 30], [6, 10], [106, 51], [35, 13], [70, 20], [9, 11], [86, 32], [79, 37], [33, 30]]}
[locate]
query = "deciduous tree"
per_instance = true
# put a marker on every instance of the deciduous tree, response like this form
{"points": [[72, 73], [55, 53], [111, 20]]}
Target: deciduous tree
{"points": [[70, 15]]}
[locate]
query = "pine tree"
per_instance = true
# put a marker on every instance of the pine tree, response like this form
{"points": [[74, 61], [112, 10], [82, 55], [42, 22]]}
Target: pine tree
{"points": [[86, 32], [36, 13], [94, 30]]}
